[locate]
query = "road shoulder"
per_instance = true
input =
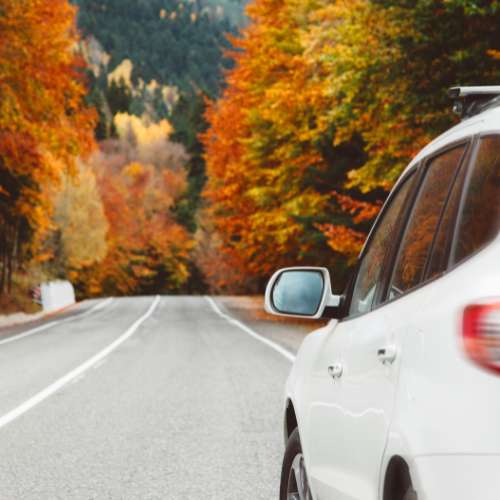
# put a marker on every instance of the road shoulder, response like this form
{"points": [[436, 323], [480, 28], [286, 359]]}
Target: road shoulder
{"points": [[289, 333], [14, 324]]}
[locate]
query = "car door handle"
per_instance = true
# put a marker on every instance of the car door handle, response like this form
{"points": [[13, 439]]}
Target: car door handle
{"points": [[387, 355], [335, 371]]}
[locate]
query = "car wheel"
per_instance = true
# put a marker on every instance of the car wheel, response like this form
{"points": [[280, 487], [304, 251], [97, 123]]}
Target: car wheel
{"points": [[294, 483]]}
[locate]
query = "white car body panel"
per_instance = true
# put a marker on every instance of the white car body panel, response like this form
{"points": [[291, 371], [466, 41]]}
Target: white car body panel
{"points": [[459, 476], [414, 408]]}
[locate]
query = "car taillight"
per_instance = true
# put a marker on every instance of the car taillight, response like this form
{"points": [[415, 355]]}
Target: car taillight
{"points": [[481, 334]]}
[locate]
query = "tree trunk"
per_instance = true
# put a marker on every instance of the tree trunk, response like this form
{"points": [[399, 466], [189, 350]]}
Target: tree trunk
{"points": [[15, 245], [9, 270], [7, 261], [4, 269]]}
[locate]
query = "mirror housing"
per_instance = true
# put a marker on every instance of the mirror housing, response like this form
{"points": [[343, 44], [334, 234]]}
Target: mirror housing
{"points": [[301, 292]]}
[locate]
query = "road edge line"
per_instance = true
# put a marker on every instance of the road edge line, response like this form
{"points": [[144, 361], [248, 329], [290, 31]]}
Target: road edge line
{"points": [[100, 305], [273, 345], [76, 372]]}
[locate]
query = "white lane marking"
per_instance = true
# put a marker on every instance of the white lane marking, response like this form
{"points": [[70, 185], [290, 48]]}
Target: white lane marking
{"points": [[77, 379], [78, 371], [273, 345], [99, 364], [97, 307]]}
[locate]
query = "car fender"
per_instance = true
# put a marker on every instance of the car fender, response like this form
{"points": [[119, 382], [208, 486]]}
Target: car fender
{"points": [[302, 369], [398, 446]]}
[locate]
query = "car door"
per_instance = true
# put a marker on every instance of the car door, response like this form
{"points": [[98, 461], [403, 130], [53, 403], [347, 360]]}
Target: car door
{"points": [[330, 423], [372, 353]]}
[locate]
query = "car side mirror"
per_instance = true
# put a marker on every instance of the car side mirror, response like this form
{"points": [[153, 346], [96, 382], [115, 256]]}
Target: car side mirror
{"points": [[303, 292]]}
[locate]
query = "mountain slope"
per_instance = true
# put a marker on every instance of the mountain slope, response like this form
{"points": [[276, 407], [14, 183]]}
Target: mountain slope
{"points": [[173, 42]]}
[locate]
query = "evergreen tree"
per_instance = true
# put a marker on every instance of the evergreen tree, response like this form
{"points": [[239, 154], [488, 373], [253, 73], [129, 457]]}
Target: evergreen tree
{"points": [[119, 97]]}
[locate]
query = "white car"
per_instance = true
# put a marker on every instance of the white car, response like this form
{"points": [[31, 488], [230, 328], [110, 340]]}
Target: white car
{"points": [[398, 397]]}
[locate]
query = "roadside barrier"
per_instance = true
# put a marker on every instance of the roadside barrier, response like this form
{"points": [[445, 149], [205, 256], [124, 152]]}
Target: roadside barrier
{"points": [[56, 295]]}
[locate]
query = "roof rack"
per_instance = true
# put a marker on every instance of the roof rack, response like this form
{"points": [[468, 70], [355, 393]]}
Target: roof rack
{"points": [[470, 101]]}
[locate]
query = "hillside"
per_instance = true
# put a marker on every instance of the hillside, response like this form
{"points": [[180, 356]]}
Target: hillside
{"points": [[173, 42]]}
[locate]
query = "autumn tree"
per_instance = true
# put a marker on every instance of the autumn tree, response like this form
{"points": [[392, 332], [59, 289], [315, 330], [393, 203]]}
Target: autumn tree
{"points": [[388, 65], [78, 237], [275, 174], [327, 103], [140, 177], [44, 123]]}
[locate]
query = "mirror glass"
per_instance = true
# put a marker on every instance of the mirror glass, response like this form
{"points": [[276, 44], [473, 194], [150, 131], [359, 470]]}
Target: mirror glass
{"points": [[298, 292]]}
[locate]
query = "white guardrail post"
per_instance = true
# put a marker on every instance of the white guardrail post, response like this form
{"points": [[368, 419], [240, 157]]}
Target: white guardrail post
{"points": [[56, 295]]}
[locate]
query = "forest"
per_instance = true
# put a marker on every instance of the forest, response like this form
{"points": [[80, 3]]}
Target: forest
{"points": [[165, 146], [326, 104]]}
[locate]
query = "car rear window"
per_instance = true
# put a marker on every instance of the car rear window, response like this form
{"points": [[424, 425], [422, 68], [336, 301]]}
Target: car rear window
{"points": [[441, 247], [479, 221]]}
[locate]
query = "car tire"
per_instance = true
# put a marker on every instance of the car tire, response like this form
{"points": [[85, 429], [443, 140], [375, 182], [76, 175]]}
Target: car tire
{"points": [[294, 484]]}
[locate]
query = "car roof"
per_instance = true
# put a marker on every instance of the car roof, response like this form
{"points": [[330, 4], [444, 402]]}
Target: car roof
{"points": [[487, 121]]}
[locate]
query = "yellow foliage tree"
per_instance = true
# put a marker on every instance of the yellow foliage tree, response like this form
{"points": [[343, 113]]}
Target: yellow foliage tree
{"points": [[81, 225]]}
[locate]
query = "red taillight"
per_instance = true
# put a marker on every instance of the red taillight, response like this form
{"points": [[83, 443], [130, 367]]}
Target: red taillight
{"points": [[481, 333]]}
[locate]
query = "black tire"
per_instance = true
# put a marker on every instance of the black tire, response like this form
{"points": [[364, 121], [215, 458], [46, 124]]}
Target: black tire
{"points": [[397, 484], [293, 449]]}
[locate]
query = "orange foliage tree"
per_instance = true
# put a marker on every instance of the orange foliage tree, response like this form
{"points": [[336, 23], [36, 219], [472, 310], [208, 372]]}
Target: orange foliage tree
{"points": [[140, 177], [327, 103], [44, 123], [271, 162]]}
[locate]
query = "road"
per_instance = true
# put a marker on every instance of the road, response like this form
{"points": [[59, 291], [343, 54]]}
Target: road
{"points": [[141, 398]]}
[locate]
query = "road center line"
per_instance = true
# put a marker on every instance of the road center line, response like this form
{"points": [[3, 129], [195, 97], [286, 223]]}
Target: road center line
{"points": [[273, 345], [78, 371], [100, 305]]}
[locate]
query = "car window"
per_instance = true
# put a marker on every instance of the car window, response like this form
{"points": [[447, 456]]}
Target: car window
{"points": [[421, 227], [442, 242], [369, 272], [479, 221]]}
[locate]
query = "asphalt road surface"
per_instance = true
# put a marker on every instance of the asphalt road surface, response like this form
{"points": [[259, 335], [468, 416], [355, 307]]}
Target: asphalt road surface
{"points": [[141, 398]]}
